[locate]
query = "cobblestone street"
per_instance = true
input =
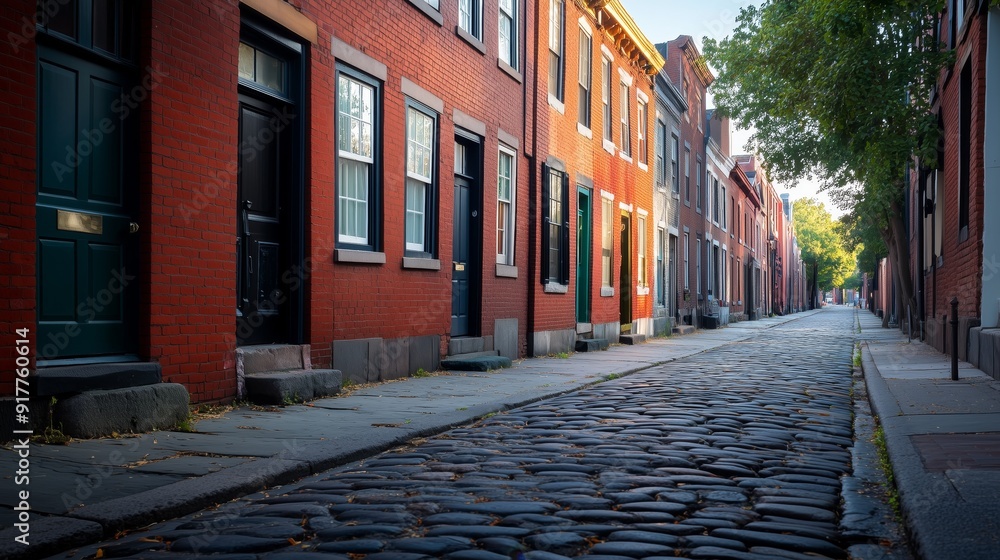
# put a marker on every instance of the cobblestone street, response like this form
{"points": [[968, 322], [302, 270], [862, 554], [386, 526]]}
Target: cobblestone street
{"points": [[733, 453]]}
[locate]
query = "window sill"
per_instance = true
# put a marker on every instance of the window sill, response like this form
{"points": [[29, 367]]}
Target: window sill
{"points": [[609, 146], [419, 263], [607, 291], [643, 166], [355, 256], [506, 271], [557, 105], [584, 131], [428, 11], [642, 290], [471, 39], [510, 70], [625, 156], [963, 234], [551, 288]]}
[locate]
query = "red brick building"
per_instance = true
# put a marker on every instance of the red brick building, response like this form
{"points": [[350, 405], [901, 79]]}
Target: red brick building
{"points": [[182, 180], [689, 73], [952, 251], [593, 234]]}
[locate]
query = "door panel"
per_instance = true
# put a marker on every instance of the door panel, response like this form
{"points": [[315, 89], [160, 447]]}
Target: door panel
{"points": [[583, 254], [263, 315], [625, 284], [467, 245], [87, 185], [460, 256]]}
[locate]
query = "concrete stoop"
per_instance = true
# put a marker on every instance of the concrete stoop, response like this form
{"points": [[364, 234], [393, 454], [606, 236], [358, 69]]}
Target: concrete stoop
{"points": [[683, 329], [632, 339], [476, 361], [592, 344], [97, 400], [282, 373], [93, 414], [297, 385]]}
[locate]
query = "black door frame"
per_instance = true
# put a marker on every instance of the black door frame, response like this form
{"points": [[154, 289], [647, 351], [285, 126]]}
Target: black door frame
{"points": [[625, 273], [474, 175], [255, 29]]}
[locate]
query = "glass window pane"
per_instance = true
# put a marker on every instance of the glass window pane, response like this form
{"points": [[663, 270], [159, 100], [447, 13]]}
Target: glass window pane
{"points": [[63, 20], [105, 25], [270, 72], [247, 63]]}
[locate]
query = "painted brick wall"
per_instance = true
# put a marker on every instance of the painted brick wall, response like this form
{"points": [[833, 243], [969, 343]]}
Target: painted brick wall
{"points": [[17, 174], [558, 134]]}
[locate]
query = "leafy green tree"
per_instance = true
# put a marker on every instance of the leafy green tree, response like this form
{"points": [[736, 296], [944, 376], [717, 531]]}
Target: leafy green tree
{"points": [[829, 263], [838, 90]]}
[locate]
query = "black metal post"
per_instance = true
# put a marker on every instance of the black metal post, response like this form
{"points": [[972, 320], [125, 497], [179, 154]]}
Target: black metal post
{"points": [[954, 339]]}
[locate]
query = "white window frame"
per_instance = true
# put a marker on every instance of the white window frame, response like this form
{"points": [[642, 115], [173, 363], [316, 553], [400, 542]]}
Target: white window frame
{"points": [[608, 127], [687, 262], [419, 174], [505, 248], [557, 49], [585, 78], [607, 241], [641, 250], [642, 124], [626, 127], [508, 52], [357, 154], [470, 17]]}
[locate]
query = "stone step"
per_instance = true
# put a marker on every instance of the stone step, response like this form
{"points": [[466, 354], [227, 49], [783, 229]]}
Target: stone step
{"points": [[481, 363], [272, 357], [129, 410], [683, 329], [64, 380], [592, 344], [632, 339], [298, 385], [473, 355]]}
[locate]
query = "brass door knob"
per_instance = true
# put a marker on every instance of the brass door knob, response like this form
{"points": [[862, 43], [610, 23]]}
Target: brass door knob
{"points": [[133, 227]]}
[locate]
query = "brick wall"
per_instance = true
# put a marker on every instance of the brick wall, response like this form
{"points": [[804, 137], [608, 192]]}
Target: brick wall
{"points": [[679, 68], [17, 174], [387, 300], [582, 155], [189, 138], [960, 274]]}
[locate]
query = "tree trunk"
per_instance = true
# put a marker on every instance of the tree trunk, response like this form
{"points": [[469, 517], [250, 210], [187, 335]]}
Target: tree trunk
{"points": [[902, 258]]}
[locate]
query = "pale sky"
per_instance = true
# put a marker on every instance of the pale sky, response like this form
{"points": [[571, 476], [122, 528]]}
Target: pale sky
{"points": [[664, 20]]}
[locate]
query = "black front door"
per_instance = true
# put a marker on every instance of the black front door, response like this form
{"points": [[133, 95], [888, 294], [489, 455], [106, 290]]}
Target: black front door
{"points": [[263, 207], [466, 245], [625, 276], [87, 229]]}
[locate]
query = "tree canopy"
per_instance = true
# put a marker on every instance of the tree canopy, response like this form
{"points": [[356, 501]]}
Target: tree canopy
{"points": [[838, 90], [830, 264]]}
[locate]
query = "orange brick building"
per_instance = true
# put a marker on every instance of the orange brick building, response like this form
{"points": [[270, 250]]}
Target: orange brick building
{"points": [[594, 232]]}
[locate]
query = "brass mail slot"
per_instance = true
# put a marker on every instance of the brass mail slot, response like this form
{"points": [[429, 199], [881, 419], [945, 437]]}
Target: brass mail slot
{"points": [[81, 222], [459, 267]]}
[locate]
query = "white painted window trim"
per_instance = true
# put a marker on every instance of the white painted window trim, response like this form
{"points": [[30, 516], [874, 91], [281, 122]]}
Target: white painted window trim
{"points": [[607, 195]]}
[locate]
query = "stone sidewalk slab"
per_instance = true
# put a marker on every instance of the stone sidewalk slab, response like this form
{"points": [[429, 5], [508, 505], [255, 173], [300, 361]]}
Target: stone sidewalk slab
{"points": [[941, 437], [101, 486]]}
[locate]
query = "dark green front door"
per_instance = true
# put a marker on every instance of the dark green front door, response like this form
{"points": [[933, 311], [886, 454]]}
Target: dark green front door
{"points": [[87, 230], [583, 253]]}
